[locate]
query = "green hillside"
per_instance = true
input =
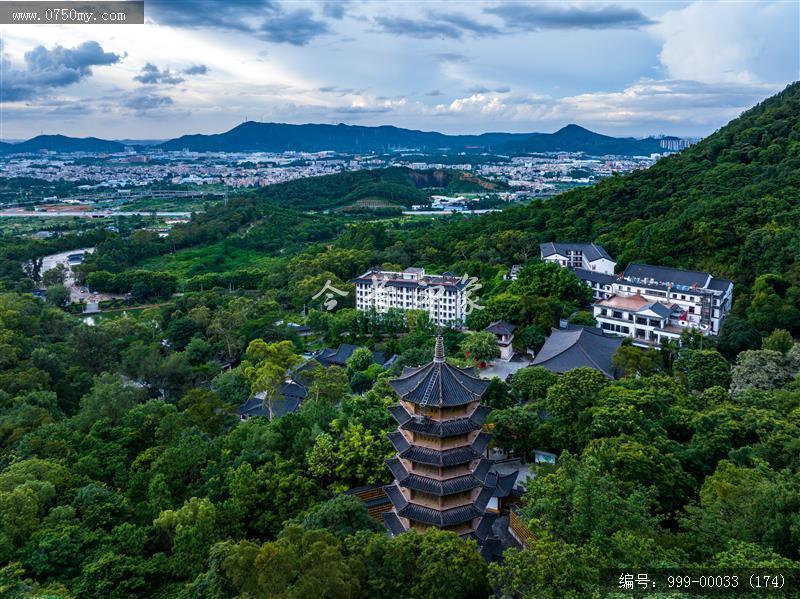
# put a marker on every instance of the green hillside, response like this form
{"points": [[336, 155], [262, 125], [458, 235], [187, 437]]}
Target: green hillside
{"points": [[396, 186], [729, 205], [127, 472]]}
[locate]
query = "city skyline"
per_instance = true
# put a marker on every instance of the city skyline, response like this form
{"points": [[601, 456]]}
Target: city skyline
{"points": [[677, 68]]}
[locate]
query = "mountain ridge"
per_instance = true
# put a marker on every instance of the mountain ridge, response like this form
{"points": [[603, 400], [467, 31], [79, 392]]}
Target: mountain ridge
{"points": [[252, 136]]}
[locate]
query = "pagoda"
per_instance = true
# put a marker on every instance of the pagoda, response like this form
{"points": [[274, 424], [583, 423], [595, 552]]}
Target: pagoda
{"points": [[440, 472]]}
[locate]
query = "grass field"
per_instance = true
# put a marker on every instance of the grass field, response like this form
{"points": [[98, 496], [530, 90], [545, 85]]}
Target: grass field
{"points": [[216, 258]]}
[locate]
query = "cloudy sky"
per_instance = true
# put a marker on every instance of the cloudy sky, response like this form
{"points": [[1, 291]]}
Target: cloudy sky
{"points": [[632, 68]]}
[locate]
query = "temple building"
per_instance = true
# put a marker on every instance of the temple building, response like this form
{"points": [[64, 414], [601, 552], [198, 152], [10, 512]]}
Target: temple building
{"points": [[440, 470]]}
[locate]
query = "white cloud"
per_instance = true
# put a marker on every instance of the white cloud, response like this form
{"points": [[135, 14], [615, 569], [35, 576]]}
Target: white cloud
{"points": [[731, 42], [481, 102], [649, 105], [694, 67]]}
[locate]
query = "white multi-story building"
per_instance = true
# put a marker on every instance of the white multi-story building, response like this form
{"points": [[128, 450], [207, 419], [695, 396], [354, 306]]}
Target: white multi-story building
{"points": [[443, 297], [652, 304], [588, 256]]}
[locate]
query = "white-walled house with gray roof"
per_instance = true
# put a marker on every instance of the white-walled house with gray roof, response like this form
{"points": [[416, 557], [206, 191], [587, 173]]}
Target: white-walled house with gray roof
{"points": [[650, 304], [588, 256], [653, 304], [443, 297]]}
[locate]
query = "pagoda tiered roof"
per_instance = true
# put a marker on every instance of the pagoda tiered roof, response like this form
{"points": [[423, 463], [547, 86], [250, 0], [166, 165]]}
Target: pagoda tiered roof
{"points": [[436, 428], [432, 486], [439, 457], [453, 478], [441, 518], [440, 385]]}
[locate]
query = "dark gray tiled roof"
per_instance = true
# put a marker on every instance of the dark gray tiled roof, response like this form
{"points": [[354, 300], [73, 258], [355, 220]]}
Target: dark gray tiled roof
{"points": [[433, 457], [441, 488], [500, 327], [398, 470], [340, 355], [448, 428], [492, 549], [480, 414], [290, 389], [659, 308], [593, 276], [484, 529], [666, 274], [433, 486], [483, 498], [399, 441], [397, 498], [720, 284], [566, 349], [480, 443], [400, 414], [451, 517], [436, 457], [392, 523], [448, 385], [482, 469], [280, 407], [502, 484], [591, 251]]}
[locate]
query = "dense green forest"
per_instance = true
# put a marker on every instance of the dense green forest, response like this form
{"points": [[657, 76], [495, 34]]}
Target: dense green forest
{"points": [[125, 471]]}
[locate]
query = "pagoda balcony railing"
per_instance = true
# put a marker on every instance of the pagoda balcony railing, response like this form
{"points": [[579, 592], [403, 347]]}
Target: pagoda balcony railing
{"points": [[430, 442], [436, 413], [441, 503], [437, 473]]}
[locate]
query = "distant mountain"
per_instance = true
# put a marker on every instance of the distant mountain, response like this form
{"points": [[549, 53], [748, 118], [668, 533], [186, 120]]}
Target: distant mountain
{"points": [[281, 137], [140, 142], [574, 138], [62, 143]]}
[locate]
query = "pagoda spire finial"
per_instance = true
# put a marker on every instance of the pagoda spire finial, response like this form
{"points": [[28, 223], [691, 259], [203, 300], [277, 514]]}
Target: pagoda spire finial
{"points": [[438, 351]]}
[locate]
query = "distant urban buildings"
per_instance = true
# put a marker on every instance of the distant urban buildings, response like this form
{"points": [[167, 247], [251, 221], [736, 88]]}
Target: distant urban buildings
{"points": [[443, 297], [649, 304]]}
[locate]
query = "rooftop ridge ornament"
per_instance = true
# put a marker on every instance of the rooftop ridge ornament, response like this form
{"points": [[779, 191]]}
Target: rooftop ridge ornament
{"points": [[438, 350]]}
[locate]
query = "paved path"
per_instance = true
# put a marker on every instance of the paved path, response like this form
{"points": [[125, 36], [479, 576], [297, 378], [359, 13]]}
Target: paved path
{"points": [[501, 368]]}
